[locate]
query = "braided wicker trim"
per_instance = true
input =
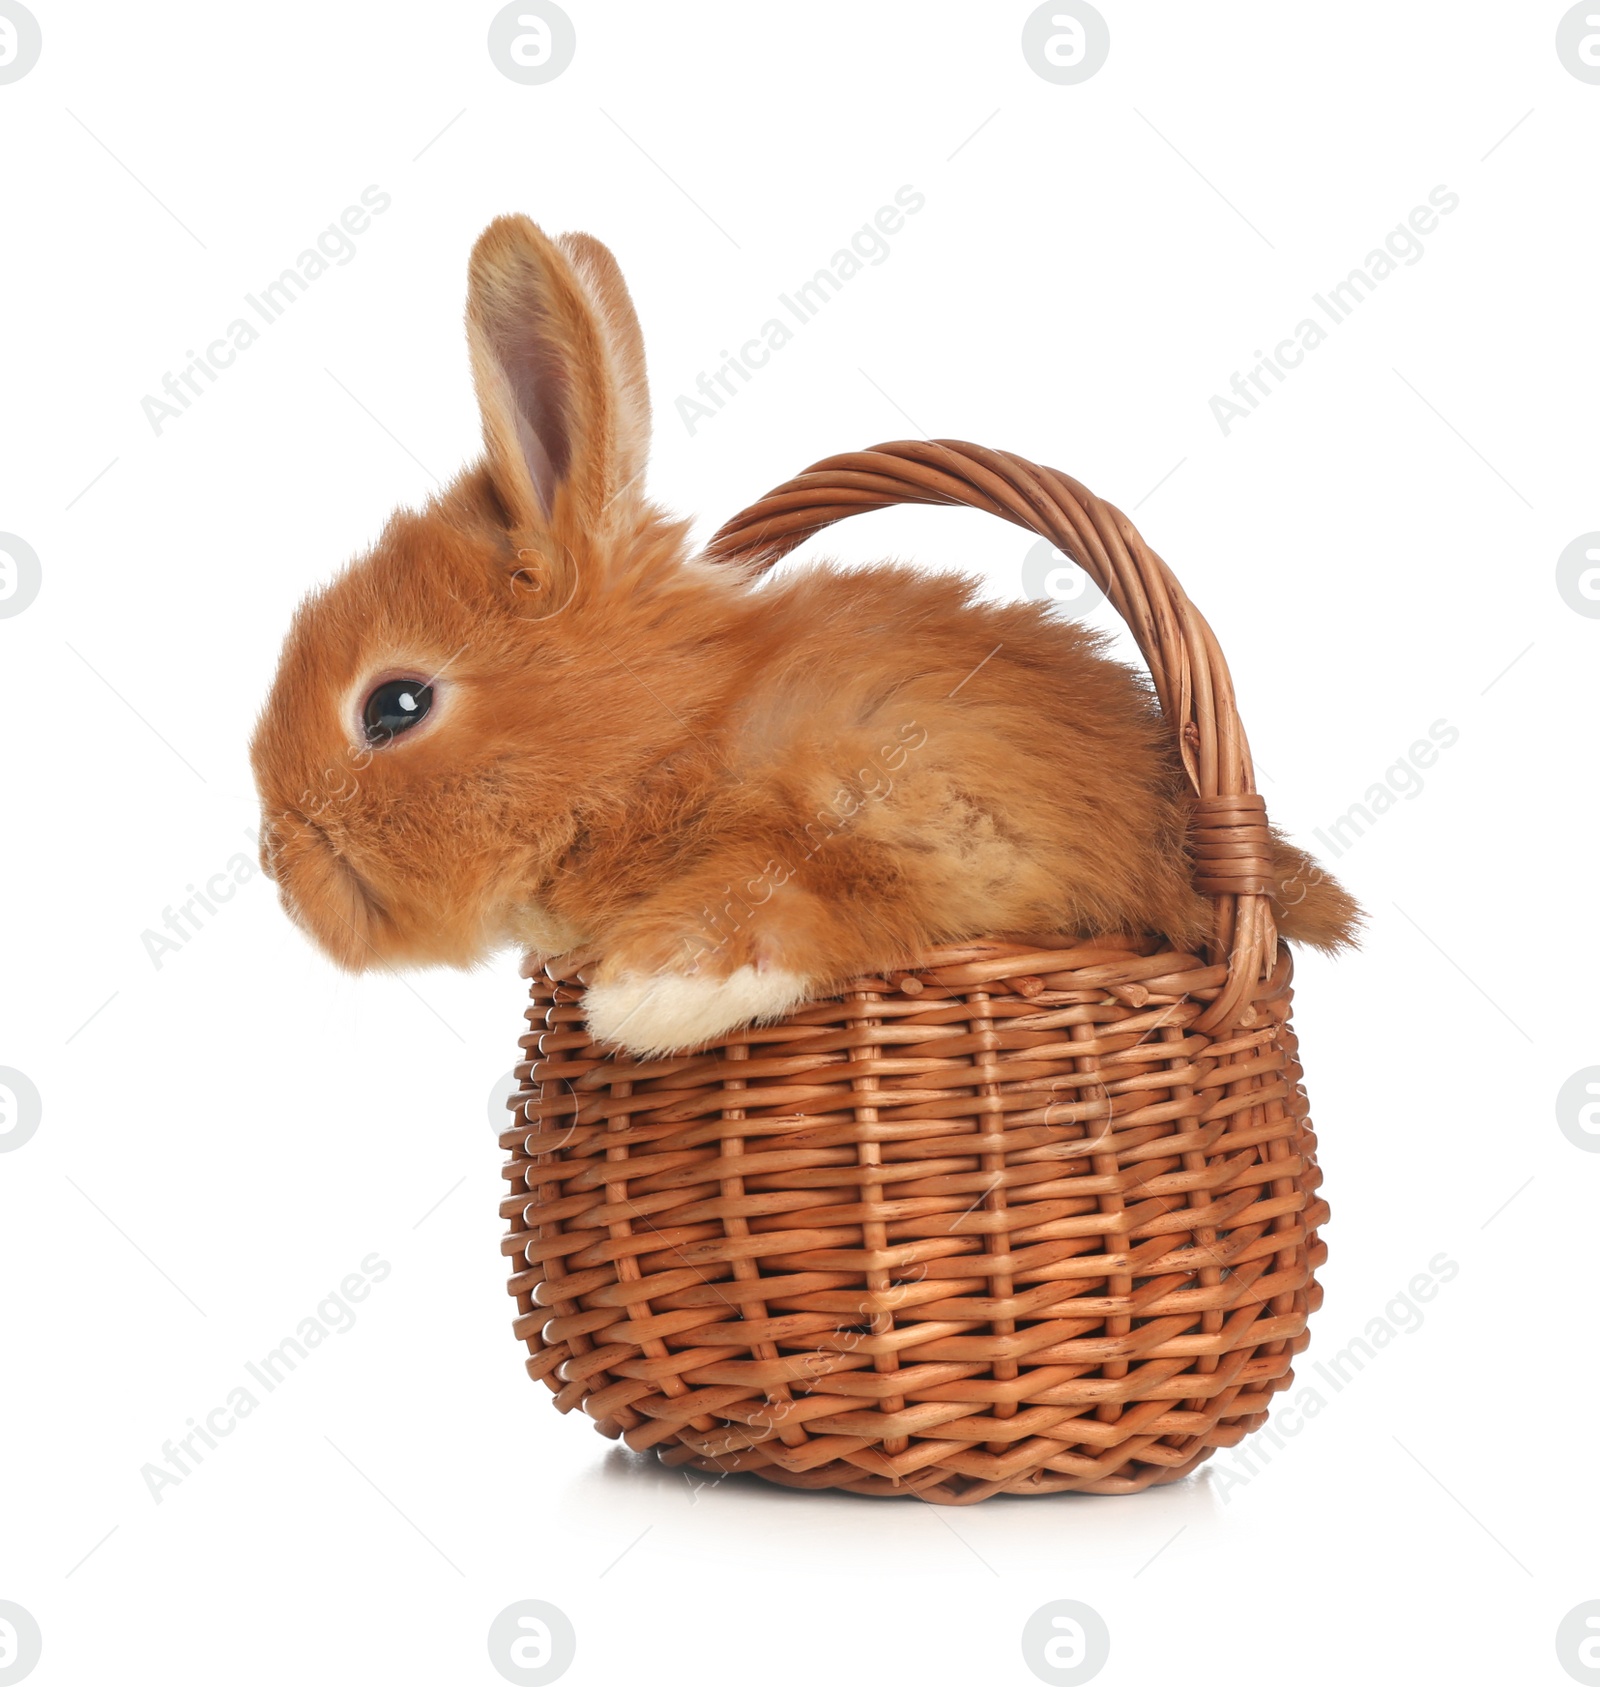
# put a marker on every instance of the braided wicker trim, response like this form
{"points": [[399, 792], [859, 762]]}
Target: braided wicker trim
{"points": [[1231, 846]]}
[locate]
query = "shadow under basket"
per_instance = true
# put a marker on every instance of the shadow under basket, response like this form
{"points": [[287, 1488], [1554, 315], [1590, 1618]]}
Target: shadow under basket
{"points": [[1027, 1215]]}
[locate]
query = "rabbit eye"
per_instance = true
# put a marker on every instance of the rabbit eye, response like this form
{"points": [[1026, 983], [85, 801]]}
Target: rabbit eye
{"points": [[394, 707]]}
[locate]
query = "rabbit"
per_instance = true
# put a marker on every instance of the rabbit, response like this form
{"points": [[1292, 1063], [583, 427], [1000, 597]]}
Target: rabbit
{"points": [[529, 715]]}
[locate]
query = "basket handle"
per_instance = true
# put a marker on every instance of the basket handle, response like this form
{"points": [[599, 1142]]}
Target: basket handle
{"points": [[1229, 840]]}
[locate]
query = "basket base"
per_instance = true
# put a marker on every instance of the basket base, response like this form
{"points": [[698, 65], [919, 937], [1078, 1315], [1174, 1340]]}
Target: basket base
{"points": [[1151, 1467], [943, 1490], [1007, 1222]]}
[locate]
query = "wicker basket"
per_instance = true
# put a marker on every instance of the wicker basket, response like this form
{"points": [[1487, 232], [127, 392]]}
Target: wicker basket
{"points": [[1022, 1218]]}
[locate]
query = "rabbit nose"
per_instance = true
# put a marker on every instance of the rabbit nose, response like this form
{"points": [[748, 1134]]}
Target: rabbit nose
{"points": [[322, 892]]}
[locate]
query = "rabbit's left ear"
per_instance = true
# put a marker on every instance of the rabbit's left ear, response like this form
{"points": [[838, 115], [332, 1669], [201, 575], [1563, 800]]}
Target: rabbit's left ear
{"points": [[558, 362]]}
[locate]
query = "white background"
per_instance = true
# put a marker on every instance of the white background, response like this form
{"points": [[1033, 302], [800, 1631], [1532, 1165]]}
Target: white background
{"points": [[229, 1134]]}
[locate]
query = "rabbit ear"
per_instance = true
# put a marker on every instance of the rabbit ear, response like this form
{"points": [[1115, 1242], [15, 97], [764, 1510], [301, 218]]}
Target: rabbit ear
{"points": [[558, 363], [597, 270]]}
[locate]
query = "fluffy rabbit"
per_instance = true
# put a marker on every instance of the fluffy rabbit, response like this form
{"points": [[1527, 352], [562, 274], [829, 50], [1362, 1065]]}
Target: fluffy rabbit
{"points": [[529, 716]]}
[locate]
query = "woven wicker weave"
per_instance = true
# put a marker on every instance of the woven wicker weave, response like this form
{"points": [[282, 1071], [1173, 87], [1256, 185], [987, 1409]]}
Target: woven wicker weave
{"points": [[1026, 1217]]}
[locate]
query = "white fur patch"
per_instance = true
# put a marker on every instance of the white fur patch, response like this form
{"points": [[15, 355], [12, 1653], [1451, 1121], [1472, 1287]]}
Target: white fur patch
{"points": [[659, 1013]]}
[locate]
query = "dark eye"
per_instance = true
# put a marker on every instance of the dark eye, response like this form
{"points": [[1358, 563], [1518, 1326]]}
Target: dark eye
{"points": [[395, 706]]}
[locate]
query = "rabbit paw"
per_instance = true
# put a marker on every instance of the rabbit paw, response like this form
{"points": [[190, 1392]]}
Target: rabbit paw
{"points": [[661, 1012]]}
